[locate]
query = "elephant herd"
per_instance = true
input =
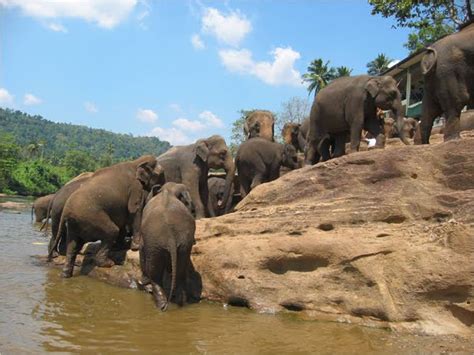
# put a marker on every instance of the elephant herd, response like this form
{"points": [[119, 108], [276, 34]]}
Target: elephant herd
{"points": [[150, 204]]}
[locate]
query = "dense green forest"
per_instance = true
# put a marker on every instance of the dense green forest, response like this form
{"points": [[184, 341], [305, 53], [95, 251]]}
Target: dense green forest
{"points": [[37, 156]]}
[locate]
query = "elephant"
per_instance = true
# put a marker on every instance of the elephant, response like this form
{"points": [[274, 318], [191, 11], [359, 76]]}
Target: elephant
{"points": [[349, 104], [466, 124], [55, 211], [448, 71], [190, 165], [391, 129], [292, 134], [40, 208], [260, 123], [216, 187], [167, 233], [259, 160], [105, 206]]}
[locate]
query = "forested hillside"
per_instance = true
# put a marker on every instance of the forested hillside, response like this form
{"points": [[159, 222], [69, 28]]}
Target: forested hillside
{"points": [[56, 139], [37, 156]]}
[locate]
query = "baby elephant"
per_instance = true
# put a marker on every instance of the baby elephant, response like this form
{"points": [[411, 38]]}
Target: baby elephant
{"points": [[216, 188], [259, 160], [167, 238]]}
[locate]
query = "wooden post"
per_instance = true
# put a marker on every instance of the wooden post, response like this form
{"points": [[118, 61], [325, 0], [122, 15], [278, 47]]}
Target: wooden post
{"points": [[407, 91]]}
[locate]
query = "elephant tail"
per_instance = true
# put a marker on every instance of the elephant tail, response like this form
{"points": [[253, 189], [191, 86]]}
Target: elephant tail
{"points": [[428, 63], [57, 237], [174, 256], [48, 216]]}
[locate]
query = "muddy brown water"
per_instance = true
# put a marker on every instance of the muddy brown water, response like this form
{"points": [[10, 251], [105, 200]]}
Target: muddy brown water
{"points": [[41, 312]]}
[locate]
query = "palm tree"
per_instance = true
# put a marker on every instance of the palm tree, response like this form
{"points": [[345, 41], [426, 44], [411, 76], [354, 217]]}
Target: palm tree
{"points": [[378, 65], [318, 76], [342, 71]]}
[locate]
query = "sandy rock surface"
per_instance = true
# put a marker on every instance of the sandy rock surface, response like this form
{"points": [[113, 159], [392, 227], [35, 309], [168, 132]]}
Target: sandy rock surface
{"points": [[380, 238]]}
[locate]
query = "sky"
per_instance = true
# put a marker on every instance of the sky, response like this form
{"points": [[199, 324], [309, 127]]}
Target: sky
{"points": [[176, 69]]}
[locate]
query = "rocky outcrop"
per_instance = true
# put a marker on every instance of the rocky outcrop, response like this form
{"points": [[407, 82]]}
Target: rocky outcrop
{"points": [[380, 238]]}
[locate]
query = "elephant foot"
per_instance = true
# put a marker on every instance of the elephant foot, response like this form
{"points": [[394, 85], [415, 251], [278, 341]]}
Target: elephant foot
{"points": [[159, 297], [66, 273], [105, 263], [452, 137]]}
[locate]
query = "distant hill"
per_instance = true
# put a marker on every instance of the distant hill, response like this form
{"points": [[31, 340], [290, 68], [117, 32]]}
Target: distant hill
{"points": [[58, 138]]}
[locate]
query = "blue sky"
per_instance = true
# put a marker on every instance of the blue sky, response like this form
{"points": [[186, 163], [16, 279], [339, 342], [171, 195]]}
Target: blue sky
{"points": [[180, 69]]}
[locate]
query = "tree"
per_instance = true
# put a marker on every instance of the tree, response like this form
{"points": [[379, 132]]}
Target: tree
{"points": [[318, 76], [378, 65], [295, 110], [9, 155], [237, 136], [77, 162], [429, 19], [342, 71]]}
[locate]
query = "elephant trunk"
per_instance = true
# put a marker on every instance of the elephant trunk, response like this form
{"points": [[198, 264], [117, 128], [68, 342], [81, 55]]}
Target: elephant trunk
{"points": [[398, 112], [229, 181]]}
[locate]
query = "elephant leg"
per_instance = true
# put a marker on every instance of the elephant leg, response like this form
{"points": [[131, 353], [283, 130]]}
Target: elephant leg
{"points": [[452, 129], [74, 245], [191, 180], [312, 155], [356, 131], [244, 187], [181, 276], [108, 233], [324, 148], [257, 180], [143, 266], [155, 268], [339, 145], [430, 110], [159, 296]]}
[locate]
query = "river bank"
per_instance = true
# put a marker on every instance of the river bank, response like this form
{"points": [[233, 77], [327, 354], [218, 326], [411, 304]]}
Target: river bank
{"points": [[382, 238]]}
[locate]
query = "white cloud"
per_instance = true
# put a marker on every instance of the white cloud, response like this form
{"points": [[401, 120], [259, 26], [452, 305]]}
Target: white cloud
{"points": [[172, 135], [176, 108], [188, 125], [146, 115], [90, 107], [279, 72], [104, 13], [211, 119], [5, 97], [230, 29], [197, 42], [57, 27], [30, 99]]}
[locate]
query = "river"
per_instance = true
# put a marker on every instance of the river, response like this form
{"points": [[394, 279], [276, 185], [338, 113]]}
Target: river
{"points": [[41, 312]]}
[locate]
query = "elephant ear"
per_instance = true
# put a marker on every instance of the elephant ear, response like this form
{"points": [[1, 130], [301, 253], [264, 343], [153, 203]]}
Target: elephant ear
{"points": [[428, 62], [201, 149], [373, 86], [143, 174]]}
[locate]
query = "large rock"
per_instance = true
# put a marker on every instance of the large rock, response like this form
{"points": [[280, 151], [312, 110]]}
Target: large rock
{"points": [[380, 238]]}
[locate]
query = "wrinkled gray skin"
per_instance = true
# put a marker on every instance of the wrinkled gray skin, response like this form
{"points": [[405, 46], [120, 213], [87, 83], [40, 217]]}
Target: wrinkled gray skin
{"points": [[349, 104], [55, 211], [448, 69], [216, 188], [106, 206], [259, 160], [190, 165], [40, 207], [466, 123], [260, 123], [167, 230]]}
